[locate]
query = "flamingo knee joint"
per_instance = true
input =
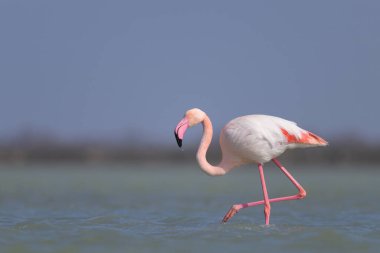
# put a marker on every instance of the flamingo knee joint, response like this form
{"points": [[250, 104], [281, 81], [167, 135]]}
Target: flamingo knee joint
{"points": [[302, 194]]}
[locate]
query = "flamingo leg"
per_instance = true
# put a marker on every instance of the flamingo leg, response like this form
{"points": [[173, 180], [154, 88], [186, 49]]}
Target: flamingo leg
{"points": [[265, 192], [301, 191], [301, 194]]}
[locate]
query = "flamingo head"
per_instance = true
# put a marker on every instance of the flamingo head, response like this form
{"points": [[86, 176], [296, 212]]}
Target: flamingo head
{"points": [[192, 117]]}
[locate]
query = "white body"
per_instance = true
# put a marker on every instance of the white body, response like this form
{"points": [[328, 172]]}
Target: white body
{"points": [[257, 138]]}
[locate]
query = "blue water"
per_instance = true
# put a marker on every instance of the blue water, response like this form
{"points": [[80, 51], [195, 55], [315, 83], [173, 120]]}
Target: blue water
{"points": [[174, 208]]}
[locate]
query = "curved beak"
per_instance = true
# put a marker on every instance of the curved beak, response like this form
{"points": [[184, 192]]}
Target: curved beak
{"points": [[180, 130]]}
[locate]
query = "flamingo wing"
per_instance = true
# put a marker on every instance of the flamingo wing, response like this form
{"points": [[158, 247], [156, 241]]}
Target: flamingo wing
{"points": [[306, 138], [260, 138], [275, 131]]}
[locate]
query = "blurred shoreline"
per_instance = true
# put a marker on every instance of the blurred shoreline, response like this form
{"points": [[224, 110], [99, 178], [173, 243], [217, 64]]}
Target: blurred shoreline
{"points": [[43, 149]]}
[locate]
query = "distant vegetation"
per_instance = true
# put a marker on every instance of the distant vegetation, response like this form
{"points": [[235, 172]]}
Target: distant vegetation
{"points": [[41, 148]]}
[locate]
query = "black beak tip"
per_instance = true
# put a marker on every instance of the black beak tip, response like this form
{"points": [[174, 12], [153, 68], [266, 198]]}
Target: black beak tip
{"points": [[179, 141]]}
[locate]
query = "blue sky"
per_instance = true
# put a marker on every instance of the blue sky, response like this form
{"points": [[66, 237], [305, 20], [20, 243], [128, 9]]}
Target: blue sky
{"points": [[122, 68]]}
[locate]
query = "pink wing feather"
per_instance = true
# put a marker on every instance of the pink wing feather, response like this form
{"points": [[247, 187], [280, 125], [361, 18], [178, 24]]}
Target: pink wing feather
{"points": [[305, 138]]}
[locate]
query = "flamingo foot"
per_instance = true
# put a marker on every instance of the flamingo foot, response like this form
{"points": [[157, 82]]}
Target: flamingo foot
{"points": [[234, 210]]}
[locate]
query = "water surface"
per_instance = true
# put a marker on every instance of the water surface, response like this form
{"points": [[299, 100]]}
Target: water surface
{"points": [[173, 208]]}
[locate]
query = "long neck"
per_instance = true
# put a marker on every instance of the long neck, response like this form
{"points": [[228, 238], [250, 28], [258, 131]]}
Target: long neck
{"points": [[218, 170]]}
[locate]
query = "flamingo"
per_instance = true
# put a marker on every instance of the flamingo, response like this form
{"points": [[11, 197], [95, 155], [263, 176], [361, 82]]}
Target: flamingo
{"points": [[249, 139]]}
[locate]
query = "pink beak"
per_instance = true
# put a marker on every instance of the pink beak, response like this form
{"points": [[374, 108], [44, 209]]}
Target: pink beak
{"points": [[180, 130]]}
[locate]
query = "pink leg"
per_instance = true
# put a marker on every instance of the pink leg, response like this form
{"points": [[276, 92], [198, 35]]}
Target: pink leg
{"points": [[301, 194], [265, 192], [301, 191]]}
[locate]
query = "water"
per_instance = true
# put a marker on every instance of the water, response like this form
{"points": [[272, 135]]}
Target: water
{"points": [[173, 208]]}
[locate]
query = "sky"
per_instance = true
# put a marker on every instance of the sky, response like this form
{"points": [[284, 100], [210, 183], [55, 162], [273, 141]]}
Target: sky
{"points": [[115, 69]]}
